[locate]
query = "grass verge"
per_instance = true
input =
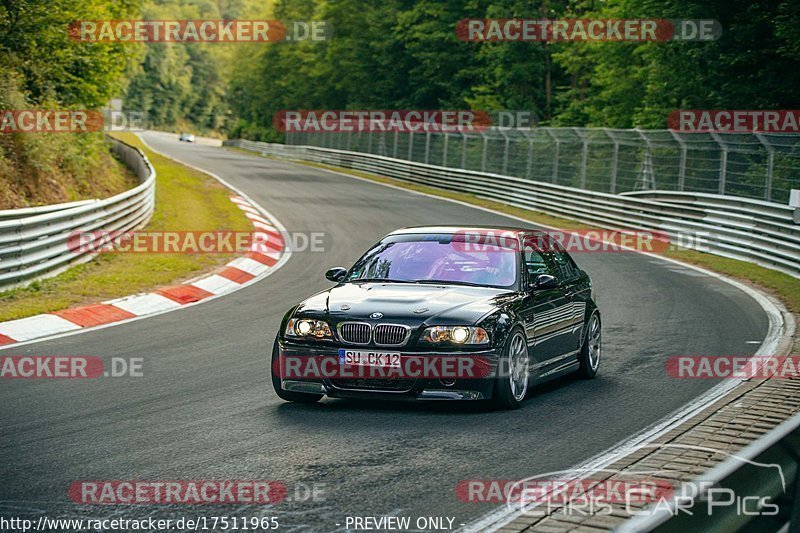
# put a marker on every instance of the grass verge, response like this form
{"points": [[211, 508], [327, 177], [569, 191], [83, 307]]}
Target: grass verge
{"points": [[186, 200], [783, 286]]}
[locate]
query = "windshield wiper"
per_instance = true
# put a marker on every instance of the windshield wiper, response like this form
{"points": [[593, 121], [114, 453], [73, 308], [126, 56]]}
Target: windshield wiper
{"points": [[380, 280], [442, 282]]}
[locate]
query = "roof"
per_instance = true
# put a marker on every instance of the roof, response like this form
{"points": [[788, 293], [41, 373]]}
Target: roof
{"points": [[462, 229]]}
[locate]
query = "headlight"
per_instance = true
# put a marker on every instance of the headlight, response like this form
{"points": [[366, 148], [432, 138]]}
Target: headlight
{"points": [[308, 328], [455, 335]]}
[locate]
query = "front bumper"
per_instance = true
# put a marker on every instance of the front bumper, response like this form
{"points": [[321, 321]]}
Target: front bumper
{"points": [[406, 388]]}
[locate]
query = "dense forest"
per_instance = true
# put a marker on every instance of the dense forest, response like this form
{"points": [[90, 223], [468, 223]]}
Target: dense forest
{"points": [[403, 54]]}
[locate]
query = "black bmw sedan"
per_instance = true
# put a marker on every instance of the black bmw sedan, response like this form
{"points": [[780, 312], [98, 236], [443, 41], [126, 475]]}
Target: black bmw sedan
{"points": [[432, 313]]}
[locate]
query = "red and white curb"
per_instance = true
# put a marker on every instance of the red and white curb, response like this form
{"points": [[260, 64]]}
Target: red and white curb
{"points": [[267, 253]]}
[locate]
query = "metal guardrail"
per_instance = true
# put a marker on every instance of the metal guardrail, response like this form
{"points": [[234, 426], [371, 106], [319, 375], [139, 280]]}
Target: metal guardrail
{"points": [[753, 230], [36, 242], [758, 489]]}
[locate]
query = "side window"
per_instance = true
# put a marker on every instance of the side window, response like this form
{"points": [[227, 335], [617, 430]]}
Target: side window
{"points": [[534, 263], [566, 267]]}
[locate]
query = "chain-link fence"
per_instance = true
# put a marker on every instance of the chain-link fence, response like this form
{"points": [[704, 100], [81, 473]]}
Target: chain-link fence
{"points": [[764, 166]]}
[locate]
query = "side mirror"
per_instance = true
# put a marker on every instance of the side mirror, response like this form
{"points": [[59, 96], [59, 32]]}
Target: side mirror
{"points": [[336, 274], [544, 281]]}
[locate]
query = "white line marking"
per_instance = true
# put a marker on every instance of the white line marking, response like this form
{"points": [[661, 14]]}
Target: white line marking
{"points": [[251, 266], [35, 326], [144, 304], [215, 284]]}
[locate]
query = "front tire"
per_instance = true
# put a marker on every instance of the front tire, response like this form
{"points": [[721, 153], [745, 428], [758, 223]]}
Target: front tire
{"points": [[289, 396], [513, 372], [589, 357]]}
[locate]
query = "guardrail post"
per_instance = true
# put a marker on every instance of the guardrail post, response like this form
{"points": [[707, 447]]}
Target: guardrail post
{"points": [[770, 165], [483, 155], [723, 163]]}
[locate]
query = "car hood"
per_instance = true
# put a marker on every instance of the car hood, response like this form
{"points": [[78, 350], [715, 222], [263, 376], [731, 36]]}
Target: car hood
{"points": [[410, 304]]}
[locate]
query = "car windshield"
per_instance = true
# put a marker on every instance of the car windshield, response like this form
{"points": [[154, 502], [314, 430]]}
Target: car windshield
{"points": [[437, 259]]}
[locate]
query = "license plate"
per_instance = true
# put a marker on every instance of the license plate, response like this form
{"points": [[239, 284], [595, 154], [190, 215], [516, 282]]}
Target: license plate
{"points": [[368, 358]]}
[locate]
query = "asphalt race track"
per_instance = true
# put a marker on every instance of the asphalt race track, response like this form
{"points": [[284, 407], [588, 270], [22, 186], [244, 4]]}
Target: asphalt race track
{"points": [[205, 409]]}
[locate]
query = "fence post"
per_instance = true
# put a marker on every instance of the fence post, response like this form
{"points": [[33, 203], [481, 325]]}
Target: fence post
{"points": [[529, 164], [410, 145], [444, 148], [505, 153], [770, 165], [556, 154], [723, 164], [464, 151], [612, 186], [427, 145], [682, 164], [394, 148], [483, 154], [584, 155], [648, 176]]}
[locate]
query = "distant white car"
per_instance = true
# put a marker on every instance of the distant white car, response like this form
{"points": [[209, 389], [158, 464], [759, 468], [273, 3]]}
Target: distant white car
{"points": [[188, 137]]}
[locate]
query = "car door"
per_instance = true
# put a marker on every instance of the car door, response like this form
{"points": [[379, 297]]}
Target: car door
{"points": [[574, 290], [547, 313]]}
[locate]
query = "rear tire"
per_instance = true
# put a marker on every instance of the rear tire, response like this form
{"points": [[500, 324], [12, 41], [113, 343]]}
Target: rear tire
{"points": [[513, 372], [289, 396], [589, 357]]}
